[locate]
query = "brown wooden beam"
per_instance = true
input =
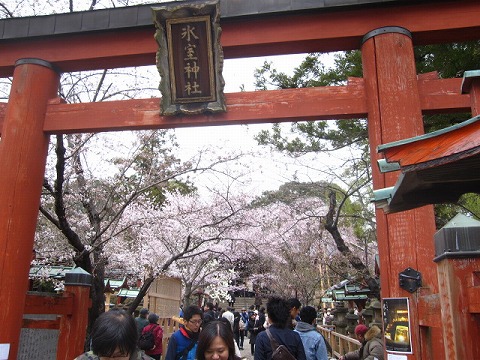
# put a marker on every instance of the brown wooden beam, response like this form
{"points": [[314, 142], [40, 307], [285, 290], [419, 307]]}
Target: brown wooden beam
{"points": [[334, 102], [340, 102], [41, 324], [321, 103], [321, 31], [442, 95], [48, 304]]}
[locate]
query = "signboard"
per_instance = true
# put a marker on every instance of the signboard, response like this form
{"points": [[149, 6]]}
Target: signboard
{"points": [[164, 297], [396, 320], [189, 58]]}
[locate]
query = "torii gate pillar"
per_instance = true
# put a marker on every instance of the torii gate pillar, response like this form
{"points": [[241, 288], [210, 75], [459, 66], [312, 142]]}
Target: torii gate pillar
{"points": [[405, 239], [23, 154]]}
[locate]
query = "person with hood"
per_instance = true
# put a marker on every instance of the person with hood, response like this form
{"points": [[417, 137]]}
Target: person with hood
{"points": [[183, 342], [313, 341], [372, 344]]}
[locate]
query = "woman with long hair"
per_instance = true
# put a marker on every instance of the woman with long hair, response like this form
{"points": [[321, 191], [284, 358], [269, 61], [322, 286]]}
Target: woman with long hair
{"points": [[216, 342]]}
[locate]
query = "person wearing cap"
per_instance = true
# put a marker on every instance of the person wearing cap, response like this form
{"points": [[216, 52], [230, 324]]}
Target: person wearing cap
{"points": [[372, 344], [157, 330], [254, 327], [141, 321]]}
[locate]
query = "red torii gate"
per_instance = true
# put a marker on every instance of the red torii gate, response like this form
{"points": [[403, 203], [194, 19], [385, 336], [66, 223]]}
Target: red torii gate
{"points": [[390, 94]]}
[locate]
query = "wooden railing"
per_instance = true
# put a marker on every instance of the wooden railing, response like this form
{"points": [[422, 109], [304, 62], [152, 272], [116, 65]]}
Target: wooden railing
{"points": [[169, 326], [341, 344]]}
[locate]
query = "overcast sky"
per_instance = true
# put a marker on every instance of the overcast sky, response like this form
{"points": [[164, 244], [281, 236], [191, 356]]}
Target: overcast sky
{"points": [[268, 169]]}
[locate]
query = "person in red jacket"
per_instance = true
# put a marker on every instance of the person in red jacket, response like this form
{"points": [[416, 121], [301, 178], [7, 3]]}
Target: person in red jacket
{"points": [[156, 352]]}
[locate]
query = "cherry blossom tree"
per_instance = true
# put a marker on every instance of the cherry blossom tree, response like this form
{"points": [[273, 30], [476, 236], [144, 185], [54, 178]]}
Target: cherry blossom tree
{"points": [[189, 236], [297, 254]]}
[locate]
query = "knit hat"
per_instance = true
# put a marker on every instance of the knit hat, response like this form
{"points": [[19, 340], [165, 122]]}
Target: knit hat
{"points": [[153, 318], [361, 329]]}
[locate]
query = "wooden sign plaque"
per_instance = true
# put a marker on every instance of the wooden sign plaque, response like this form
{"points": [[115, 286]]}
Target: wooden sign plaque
{"points": [[190, 58]]}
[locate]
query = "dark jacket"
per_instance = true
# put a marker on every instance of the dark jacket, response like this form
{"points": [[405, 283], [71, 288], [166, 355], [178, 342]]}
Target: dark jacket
{"points": [[141, 322], [254, 328], [236, 322], [208, 316], [287, 337], [371, 348]]}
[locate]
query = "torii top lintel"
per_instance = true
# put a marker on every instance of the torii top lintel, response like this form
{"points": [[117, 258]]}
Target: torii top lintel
{"points": [[123, 37]]}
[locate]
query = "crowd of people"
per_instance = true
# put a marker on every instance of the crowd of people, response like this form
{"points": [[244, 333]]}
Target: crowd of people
{"points": [[215, 334]]}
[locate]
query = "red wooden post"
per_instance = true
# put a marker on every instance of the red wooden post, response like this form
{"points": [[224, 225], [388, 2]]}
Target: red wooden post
{"points": [[394, 112], [73, 327], [459, 279], [471, 84], [23, 152]]}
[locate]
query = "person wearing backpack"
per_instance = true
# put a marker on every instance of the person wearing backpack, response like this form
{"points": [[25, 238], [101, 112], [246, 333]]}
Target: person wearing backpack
{"points": [[278, 342], [313, 342], [156, 332]]}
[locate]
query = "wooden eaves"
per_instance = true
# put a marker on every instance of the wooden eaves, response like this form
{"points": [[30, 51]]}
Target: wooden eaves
{"points": [[435, 168]]}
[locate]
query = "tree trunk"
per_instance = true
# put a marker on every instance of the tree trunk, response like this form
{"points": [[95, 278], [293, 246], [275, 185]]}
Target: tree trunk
{"points": [[331, 225], [141, 294]]}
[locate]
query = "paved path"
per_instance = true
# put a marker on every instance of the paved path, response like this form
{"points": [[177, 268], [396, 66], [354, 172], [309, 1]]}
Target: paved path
{"points": [[246, 351]]}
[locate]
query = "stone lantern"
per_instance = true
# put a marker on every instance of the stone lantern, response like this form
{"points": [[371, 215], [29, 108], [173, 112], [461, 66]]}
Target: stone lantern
{"points": [[367, 315], [340, 321], [352, 322], [376, 307]]}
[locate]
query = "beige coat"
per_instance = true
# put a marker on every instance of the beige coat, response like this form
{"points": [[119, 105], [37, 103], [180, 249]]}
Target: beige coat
{"points": [[372, 347]]}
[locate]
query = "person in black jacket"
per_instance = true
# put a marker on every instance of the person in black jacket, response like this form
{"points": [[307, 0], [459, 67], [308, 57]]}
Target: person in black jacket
{"points": [[278, 311], [208, 313], [236, 327], [254, 328]]}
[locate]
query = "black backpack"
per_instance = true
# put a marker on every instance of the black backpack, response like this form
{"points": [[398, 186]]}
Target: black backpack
{"points": [[147, 340]]}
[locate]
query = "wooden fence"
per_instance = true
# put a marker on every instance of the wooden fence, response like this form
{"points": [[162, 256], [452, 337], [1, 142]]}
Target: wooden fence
{"points": [[341, 344], [169, 326]]}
